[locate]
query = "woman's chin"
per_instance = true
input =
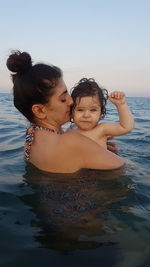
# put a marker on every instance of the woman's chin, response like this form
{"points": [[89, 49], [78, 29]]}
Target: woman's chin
{"points": [[67, 119]]}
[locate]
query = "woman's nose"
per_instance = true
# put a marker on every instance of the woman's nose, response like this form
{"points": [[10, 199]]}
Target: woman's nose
{"points": [[70, 100]]}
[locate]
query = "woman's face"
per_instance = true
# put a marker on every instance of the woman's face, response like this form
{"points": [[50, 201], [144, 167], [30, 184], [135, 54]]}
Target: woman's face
{"points": [[58, 107]]}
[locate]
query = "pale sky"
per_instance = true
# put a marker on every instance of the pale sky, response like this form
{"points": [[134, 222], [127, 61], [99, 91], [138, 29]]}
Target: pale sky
{"points": [[108, 40]]}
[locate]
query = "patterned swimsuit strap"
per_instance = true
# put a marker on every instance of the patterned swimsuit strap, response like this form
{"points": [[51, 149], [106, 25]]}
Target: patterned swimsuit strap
{"points": [[30, 137]]}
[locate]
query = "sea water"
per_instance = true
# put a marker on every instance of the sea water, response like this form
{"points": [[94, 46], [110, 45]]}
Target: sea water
{"points": [[90, 218]]}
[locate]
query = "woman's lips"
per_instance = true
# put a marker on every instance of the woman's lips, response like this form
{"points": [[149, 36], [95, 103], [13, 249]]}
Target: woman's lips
{"points": [[68, 112]]}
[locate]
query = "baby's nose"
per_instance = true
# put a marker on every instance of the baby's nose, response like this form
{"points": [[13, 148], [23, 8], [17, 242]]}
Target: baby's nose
{"points": [[86, 113]]}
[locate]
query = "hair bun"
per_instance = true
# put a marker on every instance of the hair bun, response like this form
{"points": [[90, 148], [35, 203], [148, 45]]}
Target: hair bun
{"points": [[19, 62]]}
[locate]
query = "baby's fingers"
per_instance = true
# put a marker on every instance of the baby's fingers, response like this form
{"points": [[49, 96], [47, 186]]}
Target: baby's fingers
{"points": [[117, 95]]}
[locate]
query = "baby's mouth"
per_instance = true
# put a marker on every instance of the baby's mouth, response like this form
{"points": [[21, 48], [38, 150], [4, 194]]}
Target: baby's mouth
{"points": [[85, 121]]}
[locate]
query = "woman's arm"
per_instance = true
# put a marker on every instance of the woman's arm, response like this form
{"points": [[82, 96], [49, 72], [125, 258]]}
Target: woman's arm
{"points": [[88, 154]]}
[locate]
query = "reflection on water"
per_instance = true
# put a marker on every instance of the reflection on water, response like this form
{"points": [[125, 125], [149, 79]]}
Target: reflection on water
{"points": [[72, 209]]}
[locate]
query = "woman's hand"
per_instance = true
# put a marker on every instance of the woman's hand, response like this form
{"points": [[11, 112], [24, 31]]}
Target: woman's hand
{"points": [[111, 146]]}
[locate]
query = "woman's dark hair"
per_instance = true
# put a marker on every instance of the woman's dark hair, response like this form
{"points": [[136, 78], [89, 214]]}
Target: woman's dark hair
{"points": [[32, 84], [88, 87]]}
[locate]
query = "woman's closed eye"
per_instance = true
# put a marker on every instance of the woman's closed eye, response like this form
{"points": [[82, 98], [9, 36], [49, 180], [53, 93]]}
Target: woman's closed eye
{"points": [[63, 100]]}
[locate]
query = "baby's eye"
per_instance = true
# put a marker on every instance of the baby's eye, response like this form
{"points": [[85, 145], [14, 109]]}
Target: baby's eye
{"points": [[79, 109], [93, 110]]}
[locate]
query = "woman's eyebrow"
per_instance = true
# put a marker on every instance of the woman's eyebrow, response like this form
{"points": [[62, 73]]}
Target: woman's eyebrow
{"points": [[63, 93]]}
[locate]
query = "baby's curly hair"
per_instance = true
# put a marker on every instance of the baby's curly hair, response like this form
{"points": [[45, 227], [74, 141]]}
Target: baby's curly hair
{"points": [[88, 87]]}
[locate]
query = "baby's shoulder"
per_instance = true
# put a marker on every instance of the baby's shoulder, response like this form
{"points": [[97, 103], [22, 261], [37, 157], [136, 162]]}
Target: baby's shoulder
{"points": [[101, 125], [100, 128]]}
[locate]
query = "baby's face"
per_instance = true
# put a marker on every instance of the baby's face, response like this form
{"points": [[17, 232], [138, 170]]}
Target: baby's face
{"points": [[87, 112]]}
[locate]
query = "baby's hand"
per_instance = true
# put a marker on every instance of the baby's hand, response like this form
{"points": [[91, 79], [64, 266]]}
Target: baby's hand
{"points": [[117, 98]]}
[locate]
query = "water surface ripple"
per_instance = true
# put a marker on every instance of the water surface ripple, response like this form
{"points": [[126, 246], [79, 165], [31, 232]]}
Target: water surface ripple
{"points": [[93, 218]]}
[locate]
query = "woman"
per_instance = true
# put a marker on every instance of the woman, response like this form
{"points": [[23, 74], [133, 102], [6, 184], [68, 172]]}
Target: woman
{"points": [[40, 94]]}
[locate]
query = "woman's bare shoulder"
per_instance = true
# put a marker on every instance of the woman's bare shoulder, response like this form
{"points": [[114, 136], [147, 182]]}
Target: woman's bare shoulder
{"points": [[73, 136], [71, 151]]}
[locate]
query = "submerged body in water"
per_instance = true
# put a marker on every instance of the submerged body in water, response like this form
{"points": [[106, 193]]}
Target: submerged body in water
{"points": [[74, 206]]}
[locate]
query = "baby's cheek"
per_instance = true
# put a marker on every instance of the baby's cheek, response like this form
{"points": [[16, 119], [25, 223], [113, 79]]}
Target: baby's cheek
{"points": [[75, 116]]}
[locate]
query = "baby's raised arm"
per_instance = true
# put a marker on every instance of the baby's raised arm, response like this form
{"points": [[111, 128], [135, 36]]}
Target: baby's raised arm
{"points": [[126, 121]]}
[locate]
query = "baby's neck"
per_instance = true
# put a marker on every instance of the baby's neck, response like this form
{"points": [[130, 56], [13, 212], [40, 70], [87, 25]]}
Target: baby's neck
{"points": [[82, 130]]}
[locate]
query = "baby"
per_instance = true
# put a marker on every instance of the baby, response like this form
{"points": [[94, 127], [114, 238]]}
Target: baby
{"points": [[90, 106]]}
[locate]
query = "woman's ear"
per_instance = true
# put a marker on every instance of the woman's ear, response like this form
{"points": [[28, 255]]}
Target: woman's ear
{"points": [[39, 111]]}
